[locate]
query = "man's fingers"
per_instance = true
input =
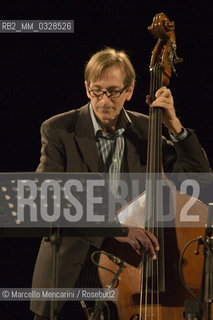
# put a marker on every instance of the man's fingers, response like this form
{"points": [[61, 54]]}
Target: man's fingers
{"points": [[163, 91], [141, 240], [147, 246], [148, 99], [135, 244], [154, 240]]}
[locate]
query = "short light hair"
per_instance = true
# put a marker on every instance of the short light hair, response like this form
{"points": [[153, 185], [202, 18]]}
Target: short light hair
{"points": [[106, 58]]}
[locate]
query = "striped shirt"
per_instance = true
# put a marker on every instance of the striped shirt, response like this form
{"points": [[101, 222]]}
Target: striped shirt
{"points": [[111, 147]]}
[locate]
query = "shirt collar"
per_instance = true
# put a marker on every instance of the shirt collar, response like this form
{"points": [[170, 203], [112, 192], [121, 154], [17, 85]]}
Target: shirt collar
{"points": [[124, 120]]}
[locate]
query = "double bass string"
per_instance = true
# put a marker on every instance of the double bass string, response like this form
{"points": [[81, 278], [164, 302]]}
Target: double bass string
{"points": [[149, 189], [144, 270], [152, 193], [154, 169], [159, 171]]}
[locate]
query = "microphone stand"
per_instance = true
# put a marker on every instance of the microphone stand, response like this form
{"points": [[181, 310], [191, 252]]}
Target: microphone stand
{"points": [[207, 277], [193, 309], [99, 305], [55, 240]]}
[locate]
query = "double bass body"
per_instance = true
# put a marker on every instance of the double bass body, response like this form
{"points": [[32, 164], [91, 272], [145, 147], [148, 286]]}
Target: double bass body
{"points": [[171, 302]]}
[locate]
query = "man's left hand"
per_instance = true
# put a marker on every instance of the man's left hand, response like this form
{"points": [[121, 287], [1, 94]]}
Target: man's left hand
{"points": [[164, 99]]}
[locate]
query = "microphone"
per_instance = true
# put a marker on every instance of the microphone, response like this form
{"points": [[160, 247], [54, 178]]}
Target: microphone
{"points": [[116, 260]]}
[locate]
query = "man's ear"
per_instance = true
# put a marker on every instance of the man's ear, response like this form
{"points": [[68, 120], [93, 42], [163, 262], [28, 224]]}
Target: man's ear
{"points": [[130, 92], [87, 89]]}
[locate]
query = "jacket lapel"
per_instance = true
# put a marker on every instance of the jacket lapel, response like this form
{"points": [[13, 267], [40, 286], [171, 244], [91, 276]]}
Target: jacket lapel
{"points": [[136, 151], [85, 139]]}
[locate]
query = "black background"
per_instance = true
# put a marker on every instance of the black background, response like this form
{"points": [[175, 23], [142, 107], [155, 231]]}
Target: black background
{"points": [[42, 75]]}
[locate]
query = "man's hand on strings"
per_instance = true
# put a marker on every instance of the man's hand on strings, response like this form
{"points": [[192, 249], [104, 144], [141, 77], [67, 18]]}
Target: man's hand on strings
{"points": [[141, 240], [164, 99]]}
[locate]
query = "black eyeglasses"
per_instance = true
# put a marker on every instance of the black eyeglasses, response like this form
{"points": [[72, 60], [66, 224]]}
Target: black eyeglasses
{"points": [[109, 93]]}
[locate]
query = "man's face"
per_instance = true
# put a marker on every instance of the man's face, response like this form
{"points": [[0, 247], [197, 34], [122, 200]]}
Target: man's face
{"points": [[106, 109]]}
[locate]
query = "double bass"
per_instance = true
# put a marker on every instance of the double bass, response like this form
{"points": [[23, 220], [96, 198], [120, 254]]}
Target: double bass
{"points": [[147, 289]]}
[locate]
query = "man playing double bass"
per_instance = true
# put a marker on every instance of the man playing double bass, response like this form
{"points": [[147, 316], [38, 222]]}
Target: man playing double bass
{"points": [[102, 136]]}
